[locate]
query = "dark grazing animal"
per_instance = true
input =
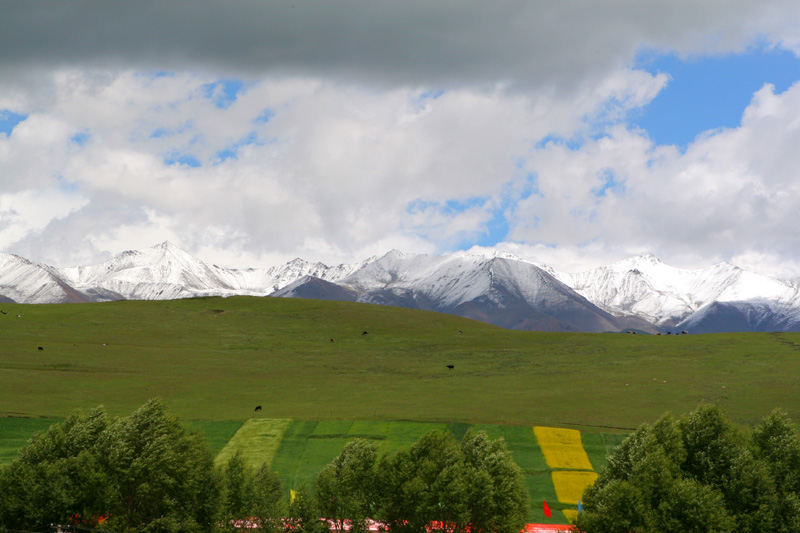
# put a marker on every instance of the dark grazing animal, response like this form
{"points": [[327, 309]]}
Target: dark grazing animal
{"points": [[258, 408], [41, 349], [365, 333], [451, 367]]}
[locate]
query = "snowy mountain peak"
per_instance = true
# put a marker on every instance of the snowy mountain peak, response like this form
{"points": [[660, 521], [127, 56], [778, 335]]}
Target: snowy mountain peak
{"points": [[396, 255], [642, 263], [489, 254], [496, 287]]}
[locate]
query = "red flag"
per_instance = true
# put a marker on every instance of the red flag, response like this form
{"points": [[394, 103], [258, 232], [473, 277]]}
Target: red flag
{"points": [[547, 512]]}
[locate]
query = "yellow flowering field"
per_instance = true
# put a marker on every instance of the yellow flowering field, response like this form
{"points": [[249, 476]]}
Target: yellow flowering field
{"points": [[562, 448], [571, 515], [570, 485]]}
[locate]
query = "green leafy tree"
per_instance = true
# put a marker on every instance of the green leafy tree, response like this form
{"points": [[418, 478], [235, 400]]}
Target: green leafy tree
{"points": [[268, 508], [252, 496], [777, 443], [143, 471], [438, 483], [698, 473], [57, 476], [238, 490], [425, 486], [304, 515], [496, 497], [346, 488], [160, 472]]}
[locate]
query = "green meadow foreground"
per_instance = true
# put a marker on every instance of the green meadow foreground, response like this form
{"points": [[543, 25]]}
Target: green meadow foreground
{"points": [[321, 381], [216, 359]]}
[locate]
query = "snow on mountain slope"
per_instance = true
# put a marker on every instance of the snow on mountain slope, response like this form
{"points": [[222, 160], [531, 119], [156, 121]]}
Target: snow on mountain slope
{"points": [[166, 272], [447, 280], [164, 264], [494, 288], [455, 279], [664, 295], [639, 292], [24, 281]]}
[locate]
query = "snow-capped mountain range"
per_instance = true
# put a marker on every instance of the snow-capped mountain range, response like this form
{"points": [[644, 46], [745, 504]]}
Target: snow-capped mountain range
{"points": [[640, 293]]}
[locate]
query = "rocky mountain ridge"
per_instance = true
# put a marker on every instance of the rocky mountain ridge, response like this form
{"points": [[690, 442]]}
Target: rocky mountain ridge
{"points": [[640, 293]]}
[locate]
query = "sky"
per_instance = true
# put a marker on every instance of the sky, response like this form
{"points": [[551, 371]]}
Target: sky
{"points": [[252, 132]]}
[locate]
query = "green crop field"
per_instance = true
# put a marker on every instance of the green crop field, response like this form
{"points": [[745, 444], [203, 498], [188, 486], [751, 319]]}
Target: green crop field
{"points": [[320, 381]]}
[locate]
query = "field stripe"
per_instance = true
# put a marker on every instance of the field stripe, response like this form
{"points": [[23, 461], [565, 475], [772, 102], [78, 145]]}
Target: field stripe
{"points": [[571, 484], [572, 471], [562, 448], [257, 440]]}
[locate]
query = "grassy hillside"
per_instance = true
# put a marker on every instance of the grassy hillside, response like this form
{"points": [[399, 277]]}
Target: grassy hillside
{"points": [[213, 360], [216, 359]]}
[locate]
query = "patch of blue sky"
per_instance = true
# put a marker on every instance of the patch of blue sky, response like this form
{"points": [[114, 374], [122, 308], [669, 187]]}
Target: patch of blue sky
{"points": [[530, 187], [264, 117], [223, 155], [497, 228], [81, 138], [162, 131], [182, 159], [610, 184], [494, 231], [432, 94], [573, 143], [232, 151], [708, 93], [155, 74], [9, 120], [420, 101], [223, 93], [67, 186]]}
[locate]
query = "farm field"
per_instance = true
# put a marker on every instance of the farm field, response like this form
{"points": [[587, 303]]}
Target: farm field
{"points": [[298, 449], [321, 381]]}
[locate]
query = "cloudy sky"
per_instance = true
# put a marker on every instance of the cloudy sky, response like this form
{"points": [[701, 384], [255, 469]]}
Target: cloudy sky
{"points": [[252, 132]]}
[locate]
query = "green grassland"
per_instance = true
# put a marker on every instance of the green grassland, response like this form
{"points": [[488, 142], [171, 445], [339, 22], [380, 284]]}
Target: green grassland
{"points": [[213, 360], [306, 447], [15, 432]]}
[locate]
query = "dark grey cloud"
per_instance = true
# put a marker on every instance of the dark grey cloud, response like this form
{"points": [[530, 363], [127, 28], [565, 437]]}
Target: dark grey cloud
{"points": [[360, 134], [409, 42]]}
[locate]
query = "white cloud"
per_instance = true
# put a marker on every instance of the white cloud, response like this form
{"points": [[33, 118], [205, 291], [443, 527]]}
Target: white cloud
{"points": [[25, 212], [412, 131], [732, 194]]}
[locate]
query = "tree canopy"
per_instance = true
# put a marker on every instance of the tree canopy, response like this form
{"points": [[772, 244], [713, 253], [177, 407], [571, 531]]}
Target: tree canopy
{"points": [[437, 483], [146, 473], [702, 473], [143, 472]]}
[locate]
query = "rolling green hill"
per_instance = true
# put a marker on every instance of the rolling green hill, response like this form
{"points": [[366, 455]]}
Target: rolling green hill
{"points": [[216, 359]]}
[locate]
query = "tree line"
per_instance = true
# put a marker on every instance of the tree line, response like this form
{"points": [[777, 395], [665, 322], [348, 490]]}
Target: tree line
{"points": [[699, 473], [146, 473]]}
